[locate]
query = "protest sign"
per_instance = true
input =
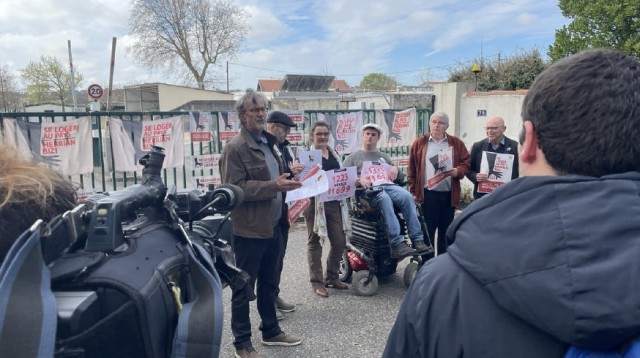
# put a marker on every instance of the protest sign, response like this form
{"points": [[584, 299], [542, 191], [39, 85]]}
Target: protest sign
{"points": [[376, 172], [441, 164], [498, 167], [342, 184]]}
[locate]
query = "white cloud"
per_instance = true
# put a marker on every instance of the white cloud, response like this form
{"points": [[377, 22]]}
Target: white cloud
{"points": [[287, 36]]}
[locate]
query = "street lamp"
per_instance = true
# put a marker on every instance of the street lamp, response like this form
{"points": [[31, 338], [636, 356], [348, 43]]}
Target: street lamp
{"points": [[476, 70]]}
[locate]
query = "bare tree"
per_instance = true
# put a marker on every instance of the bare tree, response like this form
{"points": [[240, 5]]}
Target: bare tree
{"points": [[10, 96], [193, 33], [49, 80]]}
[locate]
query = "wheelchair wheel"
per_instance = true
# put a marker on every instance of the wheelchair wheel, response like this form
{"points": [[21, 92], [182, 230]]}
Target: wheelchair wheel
{"points": [[358, 285], [410, 273], [345, 271]]}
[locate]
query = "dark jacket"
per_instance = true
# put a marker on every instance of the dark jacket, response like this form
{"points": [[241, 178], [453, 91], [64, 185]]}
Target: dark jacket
{"points": [[417, 160], [242, 163], [541, 263], [287, 161], [287, 157], [510, 147]]}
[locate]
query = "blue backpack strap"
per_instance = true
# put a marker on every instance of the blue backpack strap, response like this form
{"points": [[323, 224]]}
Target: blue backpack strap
{"points": [[634, 350], [630, 351], [200, 324], [28, 310]]}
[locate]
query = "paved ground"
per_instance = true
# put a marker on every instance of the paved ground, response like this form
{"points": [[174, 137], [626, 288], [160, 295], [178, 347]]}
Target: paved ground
{"points": [[343, 325]]}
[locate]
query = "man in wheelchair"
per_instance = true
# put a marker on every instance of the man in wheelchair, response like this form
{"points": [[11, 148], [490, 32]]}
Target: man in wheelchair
{"points": [[375, 170]]}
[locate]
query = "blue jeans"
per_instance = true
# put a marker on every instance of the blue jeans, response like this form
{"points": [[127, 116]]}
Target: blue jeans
{"points": [[394, 195]]}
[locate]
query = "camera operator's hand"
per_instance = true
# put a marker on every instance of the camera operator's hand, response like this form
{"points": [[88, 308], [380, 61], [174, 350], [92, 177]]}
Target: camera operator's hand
{"points": [[285, 184]]}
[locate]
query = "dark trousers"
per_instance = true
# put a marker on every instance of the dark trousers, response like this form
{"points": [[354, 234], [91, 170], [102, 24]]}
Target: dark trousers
{"points": [[314, 248], [438, 214], [259, 258], [283, 228]]}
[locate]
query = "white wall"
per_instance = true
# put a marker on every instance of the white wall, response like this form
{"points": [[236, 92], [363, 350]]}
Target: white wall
{"points": [[506, 104], [462, 105], [448, 101]]}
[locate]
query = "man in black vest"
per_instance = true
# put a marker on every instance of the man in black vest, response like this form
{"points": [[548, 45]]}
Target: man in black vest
{"points": [[496, 142]]}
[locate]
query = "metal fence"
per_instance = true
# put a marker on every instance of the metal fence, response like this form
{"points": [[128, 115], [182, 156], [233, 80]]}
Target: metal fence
{"points": [[104, 178]]}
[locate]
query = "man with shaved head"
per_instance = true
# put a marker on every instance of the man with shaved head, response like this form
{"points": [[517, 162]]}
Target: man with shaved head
{"points": [[495, 142]]}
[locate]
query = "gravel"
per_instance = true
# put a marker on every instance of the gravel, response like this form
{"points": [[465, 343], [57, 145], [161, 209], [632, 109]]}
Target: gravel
{"points": [[343, 325]]}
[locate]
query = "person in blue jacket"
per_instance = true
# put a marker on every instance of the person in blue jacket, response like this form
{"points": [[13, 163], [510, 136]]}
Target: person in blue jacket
{"points": [[549, 260]]}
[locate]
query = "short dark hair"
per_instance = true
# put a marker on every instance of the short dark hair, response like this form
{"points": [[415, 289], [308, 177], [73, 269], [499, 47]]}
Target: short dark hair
{"points": [[585, 110], [28, 192]]}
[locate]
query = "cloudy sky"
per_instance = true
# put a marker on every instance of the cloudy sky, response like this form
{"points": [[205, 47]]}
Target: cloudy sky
{"points": [[347, 39]]}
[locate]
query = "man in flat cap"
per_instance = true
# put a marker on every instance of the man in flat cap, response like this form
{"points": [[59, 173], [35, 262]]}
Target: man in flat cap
{"points": [[391, 195], [279, 125]]}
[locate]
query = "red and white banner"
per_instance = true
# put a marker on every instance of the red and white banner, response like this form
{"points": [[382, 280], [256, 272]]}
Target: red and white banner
{"points": [[296, 116], [498, 167], [296, 136], [64, 146], [132, 139], [346, 136], [202, 182], [71, 143], [228, 125], [399, 127], [200, 126], [207, 161]]}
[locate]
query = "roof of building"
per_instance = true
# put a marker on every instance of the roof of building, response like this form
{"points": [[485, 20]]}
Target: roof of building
{"points": [[269, 85], [340, 85], [304, 83]]}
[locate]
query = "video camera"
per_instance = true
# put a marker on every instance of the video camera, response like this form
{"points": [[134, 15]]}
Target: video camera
{"points": [[109, 249]]}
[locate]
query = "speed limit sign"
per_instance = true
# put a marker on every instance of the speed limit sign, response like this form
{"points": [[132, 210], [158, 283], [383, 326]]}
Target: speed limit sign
{"points": [[95, 91]]}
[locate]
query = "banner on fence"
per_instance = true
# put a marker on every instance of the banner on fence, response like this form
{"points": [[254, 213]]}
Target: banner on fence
{"points": [[202, 182], [200, 126], [17, 135], [296, 116], [346, 136], [65, 146], [206, 161], [398, 127], [228, 125], [132, 139]]}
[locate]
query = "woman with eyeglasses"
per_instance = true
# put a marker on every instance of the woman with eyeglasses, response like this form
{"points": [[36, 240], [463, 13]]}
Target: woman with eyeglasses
{"points": [[326, 220]]}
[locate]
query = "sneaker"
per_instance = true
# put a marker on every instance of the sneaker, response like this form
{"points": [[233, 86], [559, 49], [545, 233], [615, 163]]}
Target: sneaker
{"points": [[279, 314], [420, 246], [401, 251], [284, 306], [248, 352], [283, 339]]}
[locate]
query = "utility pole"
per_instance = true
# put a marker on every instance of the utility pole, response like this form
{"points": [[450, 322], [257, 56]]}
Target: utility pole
{"points": [[227, 76], [4, 99], [111, 69], [73, 80]]}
